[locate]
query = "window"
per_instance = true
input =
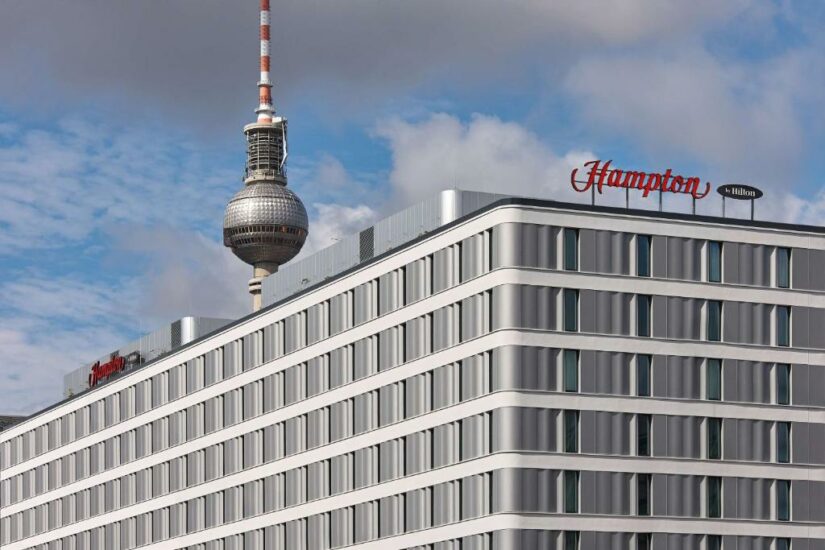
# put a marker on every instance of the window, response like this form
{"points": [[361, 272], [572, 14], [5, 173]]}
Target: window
{"points": [[714, 497], [714, 438], [571, 492], [783, 326], [642, 315], [714, 542], [783, 544], [643, 434], [714, 379], [783, 442], [783, 500], [571, 310], [643, 375], [714, 321], [571, 249], [783, 267], [571, 370], [643, 494], [643, 255], [571, 540], [714, 262], [571, 431], [783, 384], [643, 541]]}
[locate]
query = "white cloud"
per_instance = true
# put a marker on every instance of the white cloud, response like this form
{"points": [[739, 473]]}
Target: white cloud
{"points": [[484, 154]]}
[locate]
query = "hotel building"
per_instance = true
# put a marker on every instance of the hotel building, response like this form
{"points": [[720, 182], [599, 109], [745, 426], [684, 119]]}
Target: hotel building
{"points": [[477, 372]]}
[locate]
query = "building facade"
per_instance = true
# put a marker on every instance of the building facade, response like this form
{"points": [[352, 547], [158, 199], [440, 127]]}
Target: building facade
{"points": [[531, 375]]}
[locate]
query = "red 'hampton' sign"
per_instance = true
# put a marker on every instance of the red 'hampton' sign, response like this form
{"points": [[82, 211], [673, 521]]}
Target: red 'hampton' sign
{"points": [[647, 182]]}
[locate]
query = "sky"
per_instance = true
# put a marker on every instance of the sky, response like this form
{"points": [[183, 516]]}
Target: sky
{"points": [[121, 142]]}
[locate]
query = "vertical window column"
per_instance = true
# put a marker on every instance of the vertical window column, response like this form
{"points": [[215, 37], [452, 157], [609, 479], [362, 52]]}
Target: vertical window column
{"points": [[714, 325], [571, 310], [571, 249], [643, 422], [643, 255], [714, 438], [643, 494], [783, 384], [713, 372], [571, 540], [783, 500], [643, 315], [783, 442], [643, 375], [571, 431], [714, 262], [783, 326], [570, 370], [643, 541], [714, 542], [783, 267], [571, 492], [714, 497]]}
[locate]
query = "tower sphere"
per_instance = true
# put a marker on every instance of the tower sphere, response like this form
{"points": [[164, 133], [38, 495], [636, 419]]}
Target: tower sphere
{"points": [[265, 223]]}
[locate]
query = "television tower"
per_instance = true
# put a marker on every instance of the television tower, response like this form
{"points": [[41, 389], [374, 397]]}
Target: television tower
{"points": [[265, 223]]}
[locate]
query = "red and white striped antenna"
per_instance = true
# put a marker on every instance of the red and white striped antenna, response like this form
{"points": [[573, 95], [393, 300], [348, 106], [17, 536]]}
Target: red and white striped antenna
{"points": [[265, 109]]}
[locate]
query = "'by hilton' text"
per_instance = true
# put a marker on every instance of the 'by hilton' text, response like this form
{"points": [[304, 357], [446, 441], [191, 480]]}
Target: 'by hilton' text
{"points": [[600, 175]]}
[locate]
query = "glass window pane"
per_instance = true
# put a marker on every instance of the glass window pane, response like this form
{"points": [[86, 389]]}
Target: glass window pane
{"points": [[714, 379], [571, 540], [715, 262], [783, 384], [571, 310], [783, 267], [571, 431], [571, 492], [714, 542], [714, 438], [783, 500], [643, 435], [783, 544], [571, 370], [643, 375], [714, 321], [643, 541], [642, 315], [643, 492], [643, 255], [714, 497], [571, 249], [783, 442], [783, 325]]}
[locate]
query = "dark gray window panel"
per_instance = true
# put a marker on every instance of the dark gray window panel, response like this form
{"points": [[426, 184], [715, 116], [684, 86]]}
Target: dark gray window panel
{"points": [[677, 436], [746, 498], [390, 460], [747, 323], [341, 366], [605, 372], [677, 258], [808, 269], [671, 541], [445, 445], [807, 498], [605, 432], [676, 318], [418, 452], [606, 493], [747, 264], [605, 312], [517, 367], [746, 440], [315, 323], [365, 357], [474, 371], [523, 306], [445, 322], [390, 405], [676, 495], [677, 377], [415, 338], [445, 507], [605, 251], [474, 316], [746, 381], [445, 386], [808, 443], [363, 413], [390, 352], [808, 326], [805, 379], [525, 490], [525, 245], [365, 527], [526, 429]]}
